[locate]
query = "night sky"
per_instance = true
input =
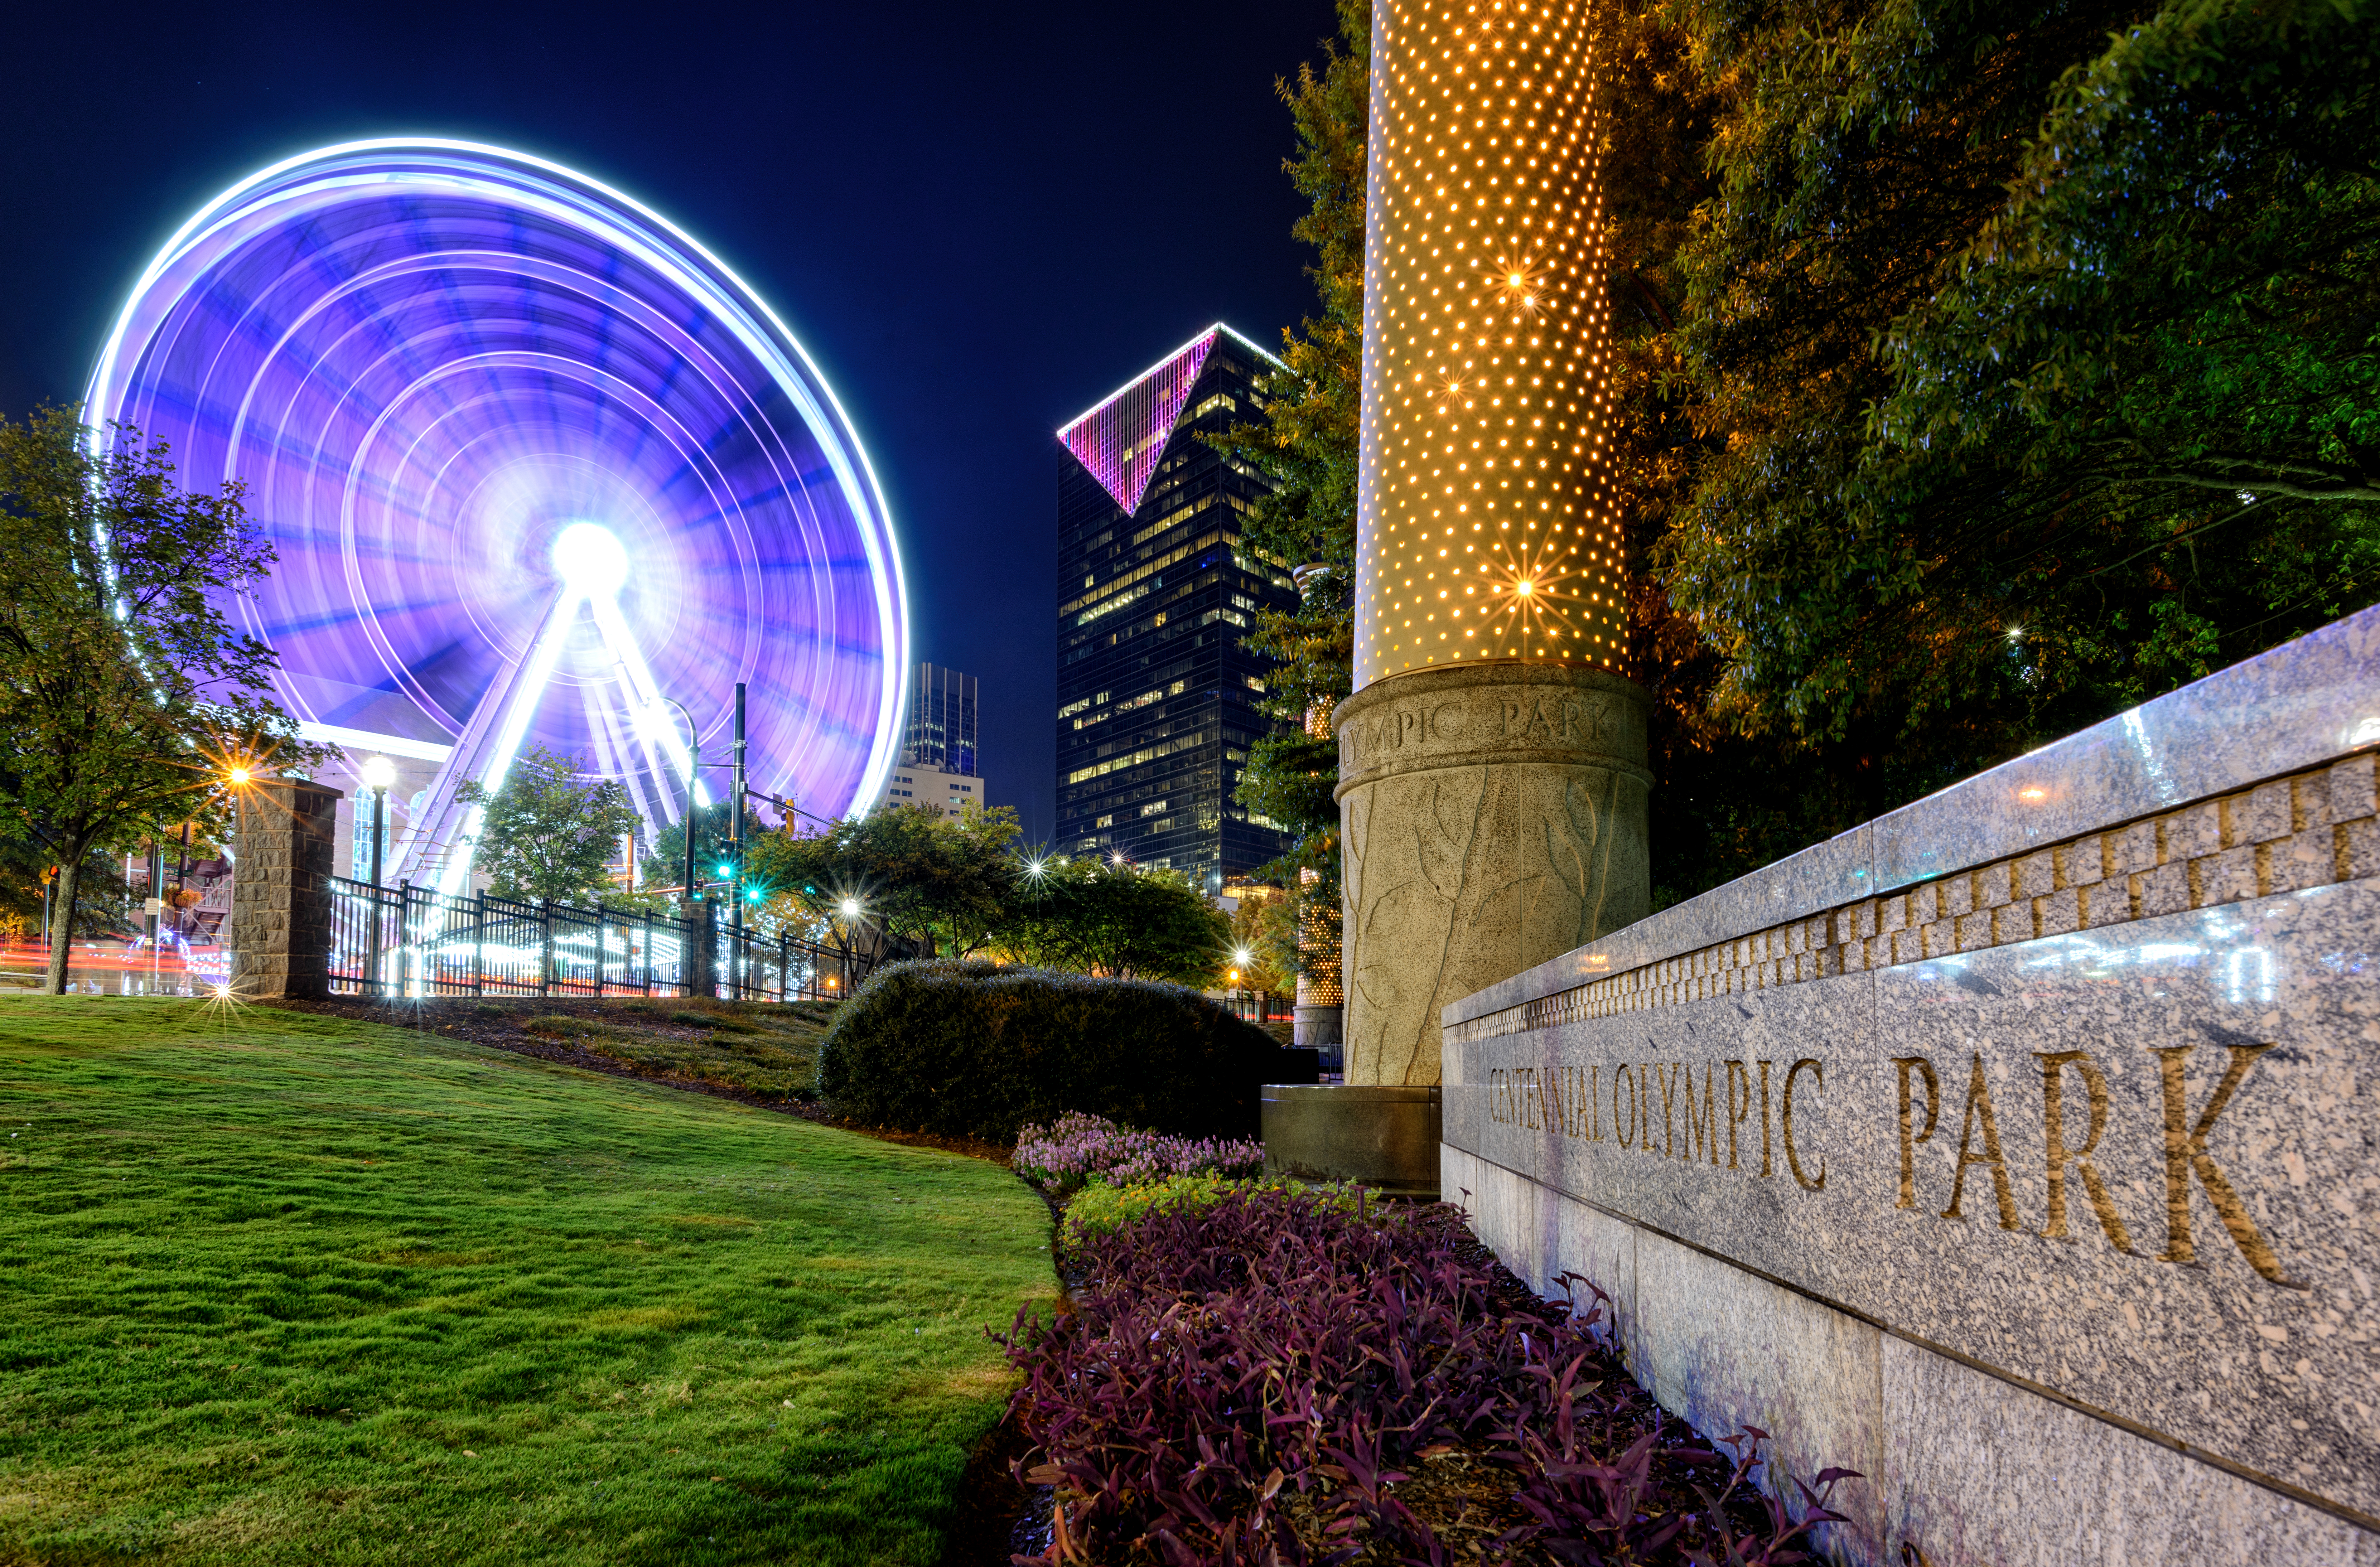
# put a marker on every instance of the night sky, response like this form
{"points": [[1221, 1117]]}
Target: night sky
{"points": [[978, 220]]}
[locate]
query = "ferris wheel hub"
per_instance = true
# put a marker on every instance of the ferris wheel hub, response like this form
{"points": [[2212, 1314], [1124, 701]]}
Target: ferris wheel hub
{"points": [[590, 560]]}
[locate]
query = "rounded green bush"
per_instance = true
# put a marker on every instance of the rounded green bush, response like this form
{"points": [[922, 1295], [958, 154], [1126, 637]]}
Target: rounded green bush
{"points": [[963, 1048]]}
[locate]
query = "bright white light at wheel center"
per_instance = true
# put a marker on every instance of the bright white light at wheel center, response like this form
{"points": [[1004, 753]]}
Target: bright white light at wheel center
{"points": [[590, 560]]}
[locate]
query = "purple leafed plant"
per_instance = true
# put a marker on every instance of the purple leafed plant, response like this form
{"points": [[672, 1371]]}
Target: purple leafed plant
{"points": [[1075, 1150], [1255, 1381]]}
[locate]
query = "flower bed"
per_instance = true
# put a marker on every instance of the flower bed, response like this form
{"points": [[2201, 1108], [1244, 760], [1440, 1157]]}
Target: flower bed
{"points": [[1270, 1378], [1076, 1149]]}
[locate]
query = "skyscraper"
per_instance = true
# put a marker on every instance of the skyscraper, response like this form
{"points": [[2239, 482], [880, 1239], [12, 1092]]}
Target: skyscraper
{"points": [[942, 731], [1155, 694], [938, 748]]}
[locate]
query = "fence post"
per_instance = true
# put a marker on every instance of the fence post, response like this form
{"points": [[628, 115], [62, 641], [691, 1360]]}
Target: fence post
{"points": [[404, 925], [372, 949], [649, 952], [544, 947], [479, 944], [785, 965]]}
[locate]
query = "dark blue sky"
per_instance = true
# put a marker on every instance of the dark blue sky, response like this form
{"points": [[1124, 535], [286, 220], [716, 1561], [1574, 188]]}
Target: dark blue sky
{"points": [[978, 219]]}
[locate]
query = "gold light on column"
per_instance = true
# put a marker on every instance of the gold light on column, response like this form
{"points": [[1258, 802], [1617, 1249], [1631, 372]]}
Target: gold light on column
{"points": [[1487, 528]]}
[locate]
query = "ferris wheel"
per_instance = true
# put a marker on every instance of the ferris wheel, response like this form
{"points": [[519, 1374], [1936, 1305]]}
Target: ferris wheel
{"points": [[538, 468]]}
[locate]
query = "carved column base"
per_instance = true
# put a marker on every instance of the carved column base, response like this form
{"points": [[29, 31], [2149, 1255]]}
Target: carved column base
{"points": [[1491, 816]]}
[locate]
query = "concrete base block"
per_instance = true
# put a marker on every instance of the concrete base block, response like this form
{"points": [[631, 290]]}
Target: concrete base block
{"points": [[1971, 1468], [1987, 1474], [1386, 1138]]}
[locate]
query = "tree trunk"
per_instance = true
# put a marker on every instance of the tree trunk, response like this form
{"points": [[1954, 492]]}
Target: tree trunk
{"points": [[61, 907]]}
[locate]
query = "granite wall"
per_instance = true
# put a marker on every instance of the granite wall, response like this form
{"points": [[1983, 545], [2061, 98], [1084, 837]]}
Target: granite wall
{"points": [[2017, 1148]]}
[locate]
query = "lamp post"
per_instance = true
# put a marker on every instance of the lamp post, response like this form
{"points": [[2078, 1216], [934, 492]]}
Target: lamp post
{"points": [[236, 775], [851, 911], [378, 774]]}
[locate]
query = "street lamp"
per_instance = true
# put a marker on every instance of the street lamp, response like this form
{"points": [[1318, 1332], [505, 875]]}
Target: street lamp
{"points": [[378, 774], [850, 910], [237, 776], [1240, 955]]}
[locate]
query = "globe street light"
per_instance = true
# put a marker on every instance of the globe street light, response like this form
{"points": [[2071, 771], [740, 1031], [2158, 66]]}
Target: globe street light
{"points": [[849, 909], [378, 774]]}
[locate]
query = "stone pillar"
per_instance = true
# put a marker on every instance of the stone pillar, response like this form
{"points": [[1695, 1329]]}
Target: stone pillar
{"points": [[281, 891], [1492, 817], [698, 968], [1492, 779]]}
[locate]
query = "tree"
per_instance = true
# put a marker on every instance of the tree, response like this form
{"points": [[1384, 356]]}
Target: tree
{"points": [[1265, 928], [1097, 917], [127, 696], [665, 860], [547, 835], [1307, 444], [940, 882], [1991, 322]]}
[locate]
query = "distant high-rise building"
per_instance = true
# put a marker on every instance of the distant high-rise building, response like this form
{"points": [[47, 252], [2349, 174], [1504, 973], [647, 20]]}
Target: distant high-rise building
{"points": [[1155, 694], [942, 732], [938, 749], [949, 793]]}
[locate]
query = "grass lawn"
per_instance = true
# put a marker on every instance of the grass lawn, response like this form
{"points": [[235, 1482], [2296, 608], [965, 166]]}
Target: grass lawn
{"points": [[287, 1287]]}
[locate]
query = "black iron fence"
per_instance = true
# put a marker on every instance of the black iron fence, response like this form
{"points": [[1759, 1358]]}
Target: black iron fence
{"points": [[408, 940]]}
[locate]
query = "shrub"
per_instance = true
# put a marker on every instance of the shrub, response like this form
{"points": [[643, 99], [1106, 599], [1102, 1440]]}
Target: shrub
{"points": [[963, 1048], [1102, 1209], [1247, 1381], [1076, 1148]]}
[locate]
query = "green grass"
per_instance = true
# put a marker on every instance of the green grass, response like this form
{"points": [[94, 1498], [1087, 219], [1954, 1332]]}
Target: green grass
{"points": [[277, 1288]]}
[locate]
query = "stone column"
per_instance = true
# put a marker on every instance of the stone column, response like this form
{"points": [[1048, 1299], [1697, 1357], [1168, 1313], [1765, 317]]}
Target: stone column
{"points": [[281, 891], [699, 966], [1492, 780]]}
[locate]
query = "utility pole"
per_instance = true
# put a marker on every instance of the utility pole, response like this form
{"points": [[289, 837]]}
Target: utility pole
{"points": [[736, 854], [692, 771]]}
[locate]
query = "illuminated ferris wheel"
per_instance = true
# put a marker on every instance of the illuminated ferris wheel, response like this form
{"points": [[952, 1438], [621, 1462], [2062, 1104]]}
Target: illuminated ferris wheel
{"points": [[537, 465]]}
